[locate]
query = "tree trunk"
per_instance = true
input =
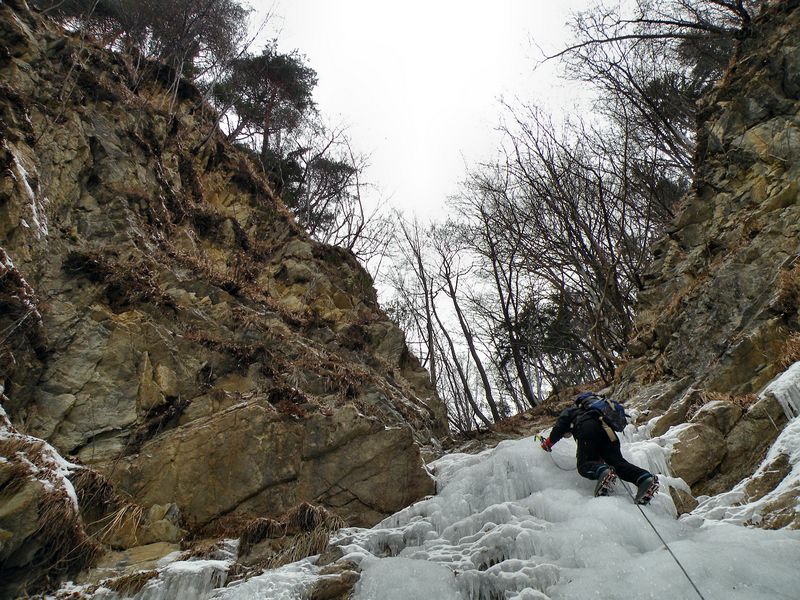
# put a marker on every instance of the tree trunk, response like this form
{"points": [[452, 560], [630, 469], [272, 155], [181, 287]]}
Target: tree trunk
{"points": [[461, 375]]}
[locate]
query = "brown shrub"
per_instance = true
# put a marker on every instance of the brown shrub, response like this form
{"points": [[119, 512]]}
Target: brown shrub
{"points": [[789, 352], [788, 291], [126, 282], [257, 531], [131, 584], [700, 400]]}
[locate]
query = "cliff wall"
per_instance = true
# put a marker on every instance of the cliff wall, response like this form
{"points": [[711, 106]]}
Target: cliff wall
{"points": [[719, 319], [164, 320]]}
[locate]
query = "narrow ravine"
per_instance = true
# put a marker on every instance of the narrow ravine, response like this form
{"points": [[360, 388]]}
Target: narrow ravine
{"points": [[516, 523]]}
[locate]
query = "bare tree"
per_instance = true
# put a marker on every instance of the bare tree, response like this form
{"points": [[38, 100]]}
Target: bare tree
{"points": [[412, 245], [459, 388], [650, 63], [450, 276]]}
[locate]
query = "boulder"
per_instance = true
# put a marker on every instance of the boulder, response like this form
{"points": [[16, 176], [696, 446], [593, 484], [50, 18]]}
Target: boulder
{"points": [[336, 581], [697, 452], [683, 500], [347, 462], [719, 414]]}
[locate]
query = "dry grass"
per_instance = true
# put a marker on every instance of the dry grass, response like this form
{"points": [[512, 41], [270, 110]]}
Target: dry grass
{"points": [[237, 277], [132, 584], [31, 448], [66, 548], [790, 351], [301, 546], [94, 491], [126, 282], [788, 291], [245, 354], [64, 545], [18, 473], [257, 531], [228, 526], [654, 371], [106, 512], [700, 400], [128, 517], [300, 532], [200, 549], [307, 517]]}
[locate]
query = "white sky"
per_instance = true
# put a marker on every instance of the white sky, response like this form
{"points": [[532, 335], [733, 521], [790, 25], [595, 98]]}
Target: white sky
{"points": [[418, 83]]}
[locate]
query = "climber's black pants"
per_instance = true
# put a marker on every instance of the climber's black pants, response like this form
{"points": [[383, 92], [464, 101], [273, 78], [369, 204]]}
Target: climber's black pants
{"points": [[595, 450]]}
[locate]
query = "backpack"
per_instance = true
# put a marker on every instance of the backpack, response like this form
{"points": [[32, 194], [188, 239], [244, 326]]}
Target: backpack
{"points": [[612, 412]]}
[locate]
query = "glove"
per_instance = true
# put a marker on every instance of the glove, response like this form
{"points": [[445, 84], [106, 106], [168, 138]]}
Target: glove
{"points": [[547, 445]]}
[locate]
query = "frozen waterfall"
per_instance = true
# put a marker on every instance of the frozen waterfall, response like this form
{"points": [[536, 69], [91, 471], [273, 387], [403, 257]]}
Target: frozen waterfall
{"points": [[516, 523]]}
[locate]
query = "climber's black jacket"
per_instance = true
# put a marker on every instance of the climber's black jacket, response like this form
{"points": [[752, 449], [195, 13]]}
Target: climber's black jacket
{"points": [[598, 446], [581, 423]]}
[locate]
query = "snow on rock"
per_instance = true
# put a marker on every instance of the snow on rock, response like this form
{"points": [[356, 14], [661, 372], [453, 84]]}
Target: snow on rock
{"points": [[290, 582], [43, 461], [36, 202], [25, 294], [182, 580], [785, 388], [732, 506], [5, 422]]}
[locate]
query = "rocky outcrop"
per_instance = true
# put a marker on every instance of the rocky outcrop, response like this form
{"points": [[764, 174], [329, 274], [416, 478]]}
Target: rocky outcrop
{"points": [[164, 319], [354, 465], [720, 316]]}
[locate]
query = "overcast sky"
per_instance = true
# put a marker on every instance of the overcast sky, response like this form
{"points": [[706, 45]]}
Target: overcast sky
{"points": [[418, 83]]}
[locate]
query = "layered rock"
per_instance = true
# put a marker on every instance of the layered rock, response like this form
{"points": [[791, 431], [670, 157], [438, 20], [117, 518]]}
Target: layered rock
{"points": [[164, 319], [720, 316]]}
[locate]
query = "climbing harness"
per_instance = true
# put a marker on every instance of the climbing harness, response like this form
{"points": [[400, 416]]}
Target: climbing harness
{"points": [[538, 438]]}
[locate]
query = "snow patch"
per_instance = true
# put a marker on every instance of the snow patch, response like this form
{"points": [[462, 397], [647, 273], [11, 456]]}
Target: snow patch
{"points": [[36, 202], [290, 582]]}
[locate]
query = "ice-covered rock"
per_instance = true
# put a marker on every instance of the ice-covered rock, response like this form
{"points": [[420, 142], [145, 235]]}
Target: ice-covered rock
{"points": [[785, 388]]}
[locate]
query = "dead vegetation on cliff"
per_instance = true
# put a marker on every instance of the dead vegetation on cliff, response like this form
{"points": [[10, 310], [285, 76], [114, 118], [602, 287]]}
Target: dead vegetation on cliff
{"points": [[34, 478], [270, 543], [700, 400], [126, 283]]}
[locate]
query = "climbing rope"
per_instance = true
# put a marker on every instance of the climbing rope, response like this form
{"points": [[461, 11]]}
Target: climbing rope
{"points": [[538, 438], [663, 541]]}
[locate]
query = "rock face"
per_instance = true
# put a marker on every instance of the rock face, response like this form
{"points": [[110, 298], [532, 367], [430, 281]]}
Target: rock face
{"points": [[346, 462], [719, 318], [165, 320]]}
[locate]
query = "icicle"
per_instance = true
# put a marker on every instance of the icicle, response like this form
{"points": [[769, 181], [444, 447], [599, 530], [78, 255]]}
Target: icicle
{"points": [[785, 388], [38, 216]]}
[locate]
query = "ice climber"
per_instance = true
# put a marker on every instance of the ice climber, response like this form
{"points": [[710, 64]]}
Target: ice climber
{"points": [[599, 456]]}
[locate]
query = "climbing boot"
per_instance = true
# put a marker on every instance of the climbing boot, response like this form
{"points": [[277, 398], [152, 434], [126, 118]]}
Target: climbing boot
{"points": [[605, 482], [646, 489]]}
